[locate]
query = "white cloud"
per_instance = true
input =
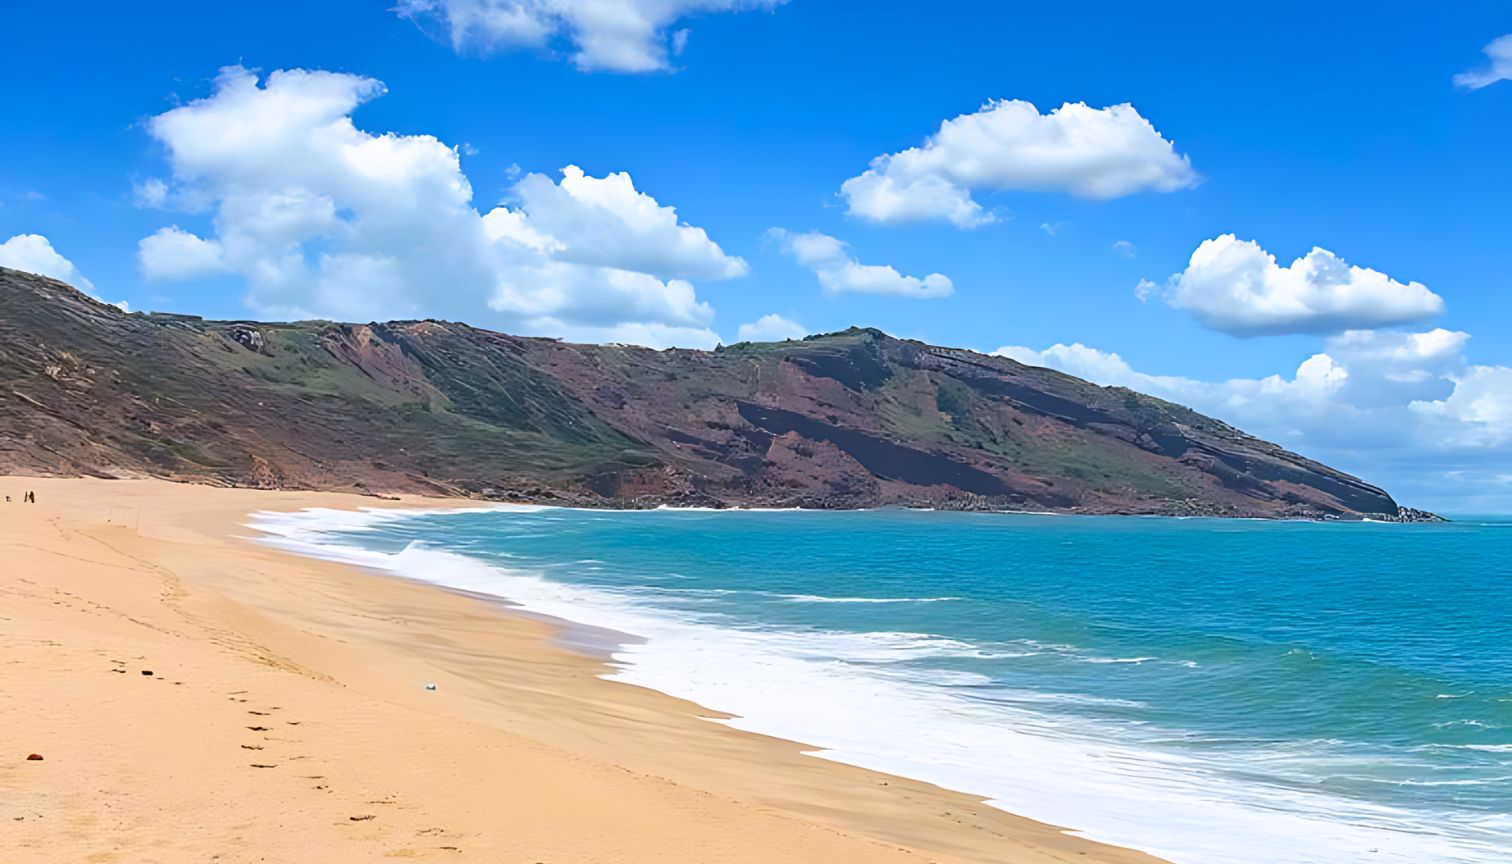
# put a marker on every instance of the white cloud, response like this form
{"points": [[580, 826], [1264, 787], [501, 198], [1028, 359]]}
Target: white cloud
{"points": [[1053, 228], [1236, 287], [1359, 370], [1123, 248], [173, 253], [1478, 413], [1498, 66], [771, 328], [322, 219], [838, 272], [623, 36], [1315, 381], [606, 222], [34, 253], [1009, 145], [1397, 408], [151, 193]]}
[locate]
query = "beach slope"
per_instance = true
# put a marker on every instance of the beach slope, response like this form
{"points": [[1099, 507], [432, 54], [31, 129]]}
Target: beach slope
{"points": [[194, 696]]}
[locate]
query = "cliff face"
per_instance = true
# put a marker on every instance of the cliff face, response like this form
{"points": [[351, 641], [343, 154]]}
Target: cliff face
{"points": [[849, 419]]}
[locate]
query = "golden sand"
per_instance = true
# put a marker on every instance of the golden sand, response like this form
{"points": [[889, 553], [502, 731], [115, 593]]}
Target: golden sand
{"points": [[285, 718]]}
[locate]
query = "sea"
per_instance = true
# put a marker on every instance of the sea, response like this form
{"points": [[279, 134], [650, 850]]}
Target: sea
{"points": [[1210, 691]]}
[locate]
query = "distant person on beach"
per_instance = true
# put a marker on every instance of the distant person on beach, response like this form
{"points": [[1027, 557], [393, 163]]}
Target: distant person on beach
{"points": [[31, 498]]}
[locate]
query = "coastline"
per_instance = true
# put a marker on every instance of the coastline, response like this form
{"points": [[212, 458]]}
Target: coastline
{"points": [[317, 669]]}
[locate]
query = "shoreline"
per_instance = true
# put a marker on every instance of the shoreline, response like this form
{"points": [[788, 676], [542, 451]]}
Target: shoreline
{"points": [[520, 747]]}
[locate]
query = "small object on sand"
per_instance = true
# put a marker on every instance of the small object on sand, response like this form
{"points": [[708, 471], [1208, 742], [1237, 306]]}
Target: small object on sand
{"points": [[363, 818], [430, 685], [147, 672], [34, 757]]}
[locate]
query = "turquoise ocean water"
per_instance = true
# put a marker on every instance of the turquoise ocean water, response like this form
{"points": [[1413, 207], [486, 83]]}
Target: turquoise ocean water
{"points": [[1212, 691]]}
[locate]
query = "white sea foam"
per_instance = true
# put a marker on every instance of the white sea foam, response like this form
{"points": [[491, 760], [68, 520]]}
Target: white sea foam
{"points": [[814, 598], [840, 693]]}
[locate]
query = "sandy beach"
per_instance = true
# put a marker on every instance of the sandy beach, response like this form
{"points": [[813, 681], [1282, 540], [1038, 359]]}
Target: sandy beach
{"points": [[195, 696]]}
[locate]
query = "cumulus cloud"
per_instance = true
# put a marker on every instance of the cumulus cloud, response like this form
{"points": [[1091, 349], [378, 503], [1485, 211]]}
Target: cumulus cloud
{"points": [[771, 328], [1399, 408], [1234, 286], [173, 253], [624, 36], [34, 253], [1478, 413], [1318, 378], [606, 222], [1498, 66], [323, 219], [1009, 145], [838, 272]]}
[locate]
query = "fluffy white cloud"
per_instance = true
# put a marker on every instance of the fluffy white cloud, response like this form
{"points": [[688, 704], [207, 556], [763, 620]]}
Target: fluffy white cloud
{"points": [[1498, 66], [34, 253], [1478, 413], [838, 272], [1318, 378], [322, 219], [606, 222], [1009, 145], [771, 328], [621, 36], [1236, 287], [1402, 409], [173, 253]]}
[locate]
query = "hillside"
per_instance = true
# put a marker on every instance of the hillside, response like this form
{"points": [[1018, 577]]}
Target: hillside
{"points": [[849, 419]]}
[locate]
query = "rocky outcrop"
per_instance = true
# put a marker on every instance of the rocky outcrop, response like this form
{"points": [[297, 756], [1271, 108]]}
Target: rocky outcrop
{"points": [[847, 419]]}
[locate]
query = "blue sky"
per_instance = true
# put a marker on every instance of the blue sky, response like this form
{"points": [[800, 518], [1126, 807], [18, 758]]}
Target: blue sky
{"points": [[1296, 128]]}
